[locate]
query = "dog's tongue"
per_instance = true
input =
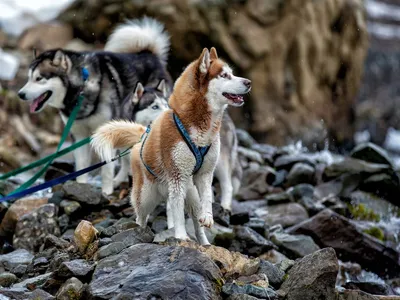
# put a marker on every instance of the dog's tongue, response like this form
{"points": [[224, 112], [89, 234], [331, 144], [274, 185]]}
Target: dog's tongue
{"points": [[34, 105]]}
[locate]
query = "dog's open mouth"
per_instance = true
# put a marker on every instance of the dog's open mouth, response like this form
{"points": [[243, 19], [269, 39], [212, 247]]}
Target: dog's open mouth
{"points": [[235, 98], [38, 103]]}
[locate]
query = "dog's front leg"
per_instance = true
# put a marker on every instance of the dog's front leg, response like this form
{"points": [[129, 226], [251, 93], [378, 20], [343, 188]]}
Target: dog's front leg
{"points": [[203, 183], [83, 157], [176, 199]]}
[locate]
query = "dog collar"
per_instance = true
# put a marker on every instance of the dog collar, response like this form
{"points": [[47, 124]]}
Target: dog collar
{"points": [[198, 152]]}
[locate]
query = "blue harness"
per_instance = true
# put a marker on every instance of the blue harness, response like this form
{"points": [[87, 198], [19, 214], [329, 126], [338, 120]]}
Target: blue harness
{"points": [[198, 152]]}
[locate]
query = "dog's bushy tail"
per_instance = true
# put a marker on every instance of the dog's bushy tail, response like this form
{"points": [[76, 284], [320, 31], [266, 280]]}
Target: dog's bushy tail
{"points": [[115, 135], [138, 35]]}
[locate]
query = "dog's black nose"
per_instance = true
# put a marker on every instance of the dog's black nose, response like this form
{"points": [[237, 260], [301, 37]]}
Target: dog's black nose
{"points": [[247, 83], [22, 95]]}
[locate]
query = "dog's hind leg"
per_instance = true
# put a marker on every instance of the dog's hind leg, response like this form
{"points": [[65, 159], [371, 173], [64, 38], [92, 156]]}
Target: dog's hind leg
{"points": [[223, 173], [107, 178], [123, 172], [144, 199], [83, 157], [194, 208]]}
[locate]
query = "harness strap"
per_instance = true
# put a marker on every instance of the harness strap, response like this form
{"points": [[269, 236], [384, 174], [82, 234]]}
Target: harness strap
{"points": [[141, 151], [198, 152]]}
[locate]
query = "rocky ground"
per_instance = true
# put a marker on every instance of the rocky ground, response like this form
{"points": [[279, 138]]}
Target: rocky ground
{"points": [[304, 226]]}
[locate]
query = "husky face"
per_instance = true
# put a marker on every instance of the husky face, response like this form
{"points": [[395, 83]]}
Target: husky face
{"points": [[46, 81], [146, 104], [223, 87]]}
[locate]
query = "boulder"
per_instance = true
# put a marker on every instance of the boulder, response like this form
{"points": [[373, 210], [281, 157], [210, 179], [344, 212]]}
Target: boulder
{"points": [[16, 211], [146, 270], [33, 228], [72, 289], [313, 277], [328, 229], [244, 240], [16, 258], [84, 193], [294, 246], [285, 214]]}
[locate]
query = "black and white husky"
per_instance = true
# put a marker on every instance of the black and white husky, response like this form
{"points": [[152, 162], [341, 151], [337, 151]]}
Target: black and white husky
{"points": [[136, 52]]}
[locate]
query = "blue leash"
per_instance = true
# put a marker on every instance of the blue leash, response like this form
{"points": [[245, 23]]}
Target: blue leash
{"points": [[59, 180], [198, 152]]}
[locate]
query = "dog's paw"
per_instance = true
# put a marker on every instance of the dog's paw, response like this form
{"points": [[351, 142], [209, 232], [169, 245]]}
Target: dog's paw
{"points": [[206, 220], [107, 189], [183, 237]]}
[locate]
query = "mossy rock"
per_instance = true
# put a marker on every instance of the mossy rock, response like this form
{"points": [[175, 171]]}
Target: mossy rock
{"points": [[361, 212], [375, 232]]}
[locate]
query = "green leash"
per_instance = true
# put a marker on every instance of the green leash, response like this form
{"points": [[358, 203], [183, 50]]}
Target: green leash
{"points": [[45, 159], [51, 158]]}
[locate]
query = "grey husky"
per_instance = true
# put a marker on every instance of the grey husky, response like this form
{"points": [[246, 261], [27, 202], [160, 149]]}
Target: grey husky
{"points": [[135, 52]]}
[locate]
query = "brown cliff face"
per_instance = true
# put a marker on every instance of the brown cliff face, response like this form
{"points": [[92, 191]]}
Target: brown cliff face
{"points": [[304, 57]]}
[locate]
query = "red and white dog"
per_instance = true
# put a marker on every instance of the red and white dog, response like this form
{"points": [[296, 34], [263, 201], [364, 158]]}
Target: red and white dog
{"points": [[162, 161]]}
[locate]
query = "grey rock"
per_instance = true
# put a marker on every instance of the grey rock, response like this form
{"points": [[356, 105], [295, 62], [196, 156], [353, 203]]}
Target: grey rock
{"points": [[32, 228], [57, 260], [284, 214], [240, 218], [220, 215], [19, 270], [15, 293], [251, 155], [355, 295], [294, 246], [371, 153], [256, 182], [259, 225], [278, 198], [159, 224], [70, 207], [118, 227], [111, 249], [134, 236], [148, 269], [374, 288], [248, 206], [72, 289], [252, 290], [288, 161], [241, 297], [15, 258], [83, 193], [37, 281], [105, 241], [274, 274], [312, 277], [79, 268], [300, 173], [332, 230], [244, 240], [244, 138], [7, 279], [354, 166], [53, 241]]}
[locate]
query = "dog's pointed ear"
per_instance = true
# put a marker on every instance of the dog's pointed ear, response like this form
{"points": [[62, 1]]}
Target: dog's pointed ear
{"points": [[61, 60], [204, 61], [213, 54], [162, 87], [138, 93]]}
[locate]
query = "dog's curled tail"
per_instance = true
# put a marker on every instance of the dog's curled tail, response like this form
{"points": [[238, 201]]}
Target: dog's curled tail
{"points": [[115, 135], [138, 35]]}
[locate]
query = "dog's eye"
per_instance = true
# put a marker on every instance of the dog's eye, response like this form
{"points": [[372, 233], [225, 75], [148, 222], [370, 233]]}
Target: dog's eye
{"points": [[224, 75], [39, 78], [155, 107]]}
